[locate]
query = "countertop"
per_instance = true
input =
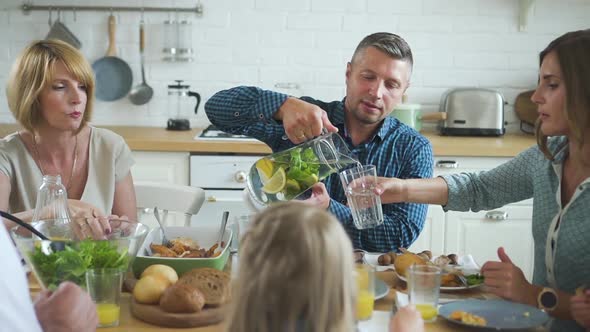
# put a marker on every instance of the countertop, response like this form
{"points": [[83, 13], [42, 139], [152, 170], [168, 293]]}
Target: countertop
{"points": [[160, 139]]}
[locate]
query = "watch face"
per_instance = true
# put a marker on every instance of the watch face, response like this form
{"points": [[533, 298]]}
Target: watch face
{"points": [[548, 299]]}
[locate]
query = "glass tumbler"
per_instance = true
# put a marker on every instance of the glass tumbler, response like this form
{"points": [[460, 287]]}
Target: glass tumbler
{"points": [[424, 290], [365, 297], [358, 184], [104, 287]]}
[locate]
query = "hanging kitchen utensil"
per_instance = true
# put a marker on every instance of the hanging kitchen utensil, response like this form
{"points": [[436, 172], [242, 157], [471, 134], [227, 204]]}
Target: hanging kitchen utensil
{"points": [[59, 31], [113, 75], [141, 93], [526, 111]]}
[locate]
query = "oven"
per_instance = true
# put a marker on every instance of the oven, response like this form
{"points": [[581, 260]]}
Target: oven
{"points": [[223, 177]]}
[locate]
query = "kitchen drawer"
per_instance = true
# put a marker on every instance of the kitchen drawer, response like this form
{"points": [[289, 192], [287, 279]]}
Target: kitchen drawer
{"points": [[227, 172]]}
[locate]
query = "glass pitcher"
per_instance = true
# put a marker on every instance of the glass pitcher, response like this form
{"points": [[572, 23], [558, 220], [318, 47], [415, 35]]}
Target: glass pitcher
{"points": [[285, 175]]}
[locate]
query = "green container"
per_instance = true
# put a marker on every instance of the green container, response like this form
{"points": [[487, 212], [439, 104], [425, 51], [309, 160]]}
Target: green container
{"points": [[205, 236], [409, 114]]}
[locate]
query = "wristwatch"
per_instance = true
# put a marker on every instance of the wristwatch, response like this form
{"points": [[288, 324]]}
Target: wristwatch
{"points": [[547, 299]]}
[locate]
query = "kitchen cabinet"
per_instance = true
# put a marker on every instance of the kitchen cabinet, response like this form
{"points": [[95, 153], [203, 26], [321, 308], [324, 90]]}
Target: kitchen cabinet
{"points": [[481, 233], [163, 167], [478, 233]]}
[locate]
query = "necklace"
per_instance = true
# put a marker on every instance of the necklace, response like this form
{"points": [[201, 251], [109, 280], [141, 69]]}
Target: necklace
{"points": [[75, 156]]}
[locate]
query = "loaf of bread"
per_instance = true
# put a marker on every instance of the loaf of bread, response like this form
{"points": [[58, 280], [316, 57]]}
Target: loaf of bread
{"points": [[214, 284], [182, 299]]}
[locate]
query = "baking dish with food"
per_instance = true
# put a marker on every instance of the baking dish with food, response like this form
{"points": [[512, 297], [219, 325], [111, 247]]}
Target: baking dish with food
{"points": [[202, 253]]}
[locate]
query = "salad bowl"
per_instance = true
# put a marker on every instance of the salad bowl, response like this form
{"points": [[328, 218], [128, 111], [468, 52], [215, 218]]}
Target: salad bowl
{"points": [[67, 259]]}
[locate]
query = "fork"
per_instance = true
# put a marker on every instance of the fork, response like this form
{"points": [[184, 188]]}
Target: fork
{"points": [[165, 241]]}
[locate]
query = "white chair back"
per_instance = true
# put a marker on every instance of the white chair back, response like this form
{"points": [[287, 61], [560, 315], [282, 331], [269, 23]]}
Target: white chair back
{"points": [[186, 200]]}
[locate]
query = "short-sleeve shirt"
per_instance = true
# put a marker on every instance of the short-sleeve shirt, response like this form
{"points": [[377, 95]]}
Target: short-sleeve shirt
{"points": [[109, 162]]}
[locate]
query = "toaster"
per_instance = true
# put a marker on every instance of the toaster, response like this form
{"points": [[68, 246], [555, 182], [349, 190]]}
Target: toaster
{"points": [[472, 112]]}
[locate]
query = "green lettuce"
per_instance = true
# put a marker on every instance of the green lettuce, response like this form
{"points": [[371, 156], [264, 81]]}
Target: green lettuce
{"points": [[75, 259]]}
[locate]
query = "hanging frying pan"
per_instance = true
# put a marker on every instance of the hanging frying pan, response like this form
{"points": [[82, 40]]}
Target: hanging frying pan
{"points": [[113, 75]]}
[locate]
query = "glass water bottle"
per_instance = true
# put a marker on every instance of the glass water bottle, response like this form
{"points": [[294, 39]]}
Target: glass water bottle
{"points": [[51, 216]]}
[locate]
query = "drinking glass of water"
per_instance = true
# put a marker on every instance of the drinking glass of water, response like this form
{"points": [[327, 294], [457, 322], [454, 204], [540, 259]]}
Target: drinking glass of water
{"points": [[365, 206]]}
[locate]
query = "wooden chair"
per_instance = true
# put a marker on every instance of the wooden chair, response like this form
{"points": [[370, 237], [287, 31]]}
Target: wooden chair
{"points": [[179, 199]]}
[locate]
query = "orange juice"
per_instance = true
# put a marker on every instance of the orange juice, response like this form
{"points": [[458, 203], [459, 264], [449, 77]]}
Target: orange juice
{"points": [[428, 312], [108, 313], [364, 305], [362, 278], [365, 293]]}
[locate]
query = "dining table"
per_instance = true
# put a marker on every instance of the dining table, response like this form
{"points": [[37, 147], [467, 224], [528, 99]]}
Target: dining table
{"points": [[129, 323]]}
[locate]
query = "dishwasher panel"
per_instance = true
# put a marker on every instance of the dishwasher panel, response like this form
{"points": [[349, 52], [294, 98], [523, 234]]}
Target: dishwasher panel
{"points": [[223, 178]]}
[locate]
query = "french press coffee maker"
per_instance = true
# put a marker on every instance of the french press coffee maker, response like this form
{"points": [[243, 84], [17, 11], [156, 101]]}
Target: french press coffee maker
{"points": [[180, 105]]}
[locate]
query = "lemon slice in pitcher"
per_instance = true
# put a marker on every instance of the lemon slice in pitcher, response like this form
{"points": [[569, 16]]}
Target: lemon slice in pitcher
{"points": [[265, 170], [276, 183]]}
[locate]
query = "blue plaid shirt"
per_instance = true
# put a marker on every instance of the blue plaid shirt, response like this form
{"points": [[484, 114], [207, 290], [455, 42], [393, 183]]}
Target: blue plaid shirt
{"points": [[396, 150]]}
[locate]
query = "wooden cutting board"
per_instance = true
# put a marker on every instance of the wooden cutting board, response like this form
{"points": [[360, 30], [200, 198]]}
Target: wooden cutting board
{"points": [[153, 314], [525, 108]]}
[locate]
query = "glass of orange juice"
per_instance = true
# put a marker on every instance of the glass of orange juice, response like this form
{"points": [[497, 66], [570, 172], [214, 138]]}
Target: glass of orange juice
{"points": [[365, 296], [424, 289], [104, 287]]}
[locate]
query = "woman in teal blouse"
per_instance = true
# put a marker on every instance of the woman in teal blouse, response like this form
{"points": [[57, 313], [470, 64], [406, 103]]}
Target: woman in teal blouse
{"points": [[555, 173]]}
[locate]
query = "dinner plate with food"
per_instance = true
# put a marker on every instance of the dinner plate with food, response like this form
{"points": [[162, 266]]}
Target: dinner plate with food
{"points": [[493, 314], [459, 273]]}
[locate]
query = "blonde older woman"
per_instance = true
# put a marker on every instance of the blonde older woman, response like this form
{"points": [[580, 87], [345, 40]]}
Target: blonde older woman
{"points": [[296, 274], [50, 92]]}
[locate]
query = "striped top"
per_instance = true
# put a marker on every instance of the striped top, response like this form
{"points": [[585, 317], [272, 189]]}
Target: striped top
{"points": [[561, 234], [396, 150]]}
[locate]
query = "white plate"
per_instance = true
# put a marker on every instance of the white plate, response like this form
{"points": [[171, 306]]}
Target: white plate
{"points": [[371, 258], [381, 289], [448, 289]]}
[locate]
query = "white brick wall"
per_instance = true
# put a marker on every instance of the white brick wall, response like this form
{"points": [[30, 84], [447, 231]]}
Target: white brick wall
{"points": [[308, 42]]}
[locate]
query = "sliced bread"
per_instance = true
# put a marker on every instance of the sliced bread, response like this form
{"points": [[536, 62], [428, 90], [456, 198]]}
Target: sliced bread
{"points": [[214, 284]]}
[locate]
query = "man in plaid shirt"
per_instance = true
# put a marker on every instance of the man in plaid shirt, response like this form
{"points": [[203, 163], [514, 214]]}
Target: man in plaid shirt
{"points": [[376, 79]]}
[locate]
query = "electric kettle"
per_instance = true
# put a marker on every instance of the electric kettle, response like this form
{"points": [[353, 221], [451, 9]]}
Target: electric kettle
{"points": [[180, 105]]}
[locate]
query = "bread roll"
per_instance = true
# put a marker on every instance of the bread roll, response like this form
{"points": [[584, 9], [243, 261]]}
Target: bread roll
{"points": [[182, 299], [214, 284], [164, 271], [149, 289]]}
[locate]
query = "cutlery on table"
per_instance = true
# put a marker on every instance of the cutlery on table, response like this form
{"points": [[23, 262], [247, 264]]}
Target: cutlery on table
{"points": [[165, 240], [222, 231]]}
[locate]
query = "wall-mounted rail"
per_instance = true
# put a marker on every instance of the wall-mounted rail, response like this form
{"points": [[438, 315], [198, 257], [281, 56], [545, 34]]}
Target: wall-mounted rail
{"points": [[27, 7]]}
